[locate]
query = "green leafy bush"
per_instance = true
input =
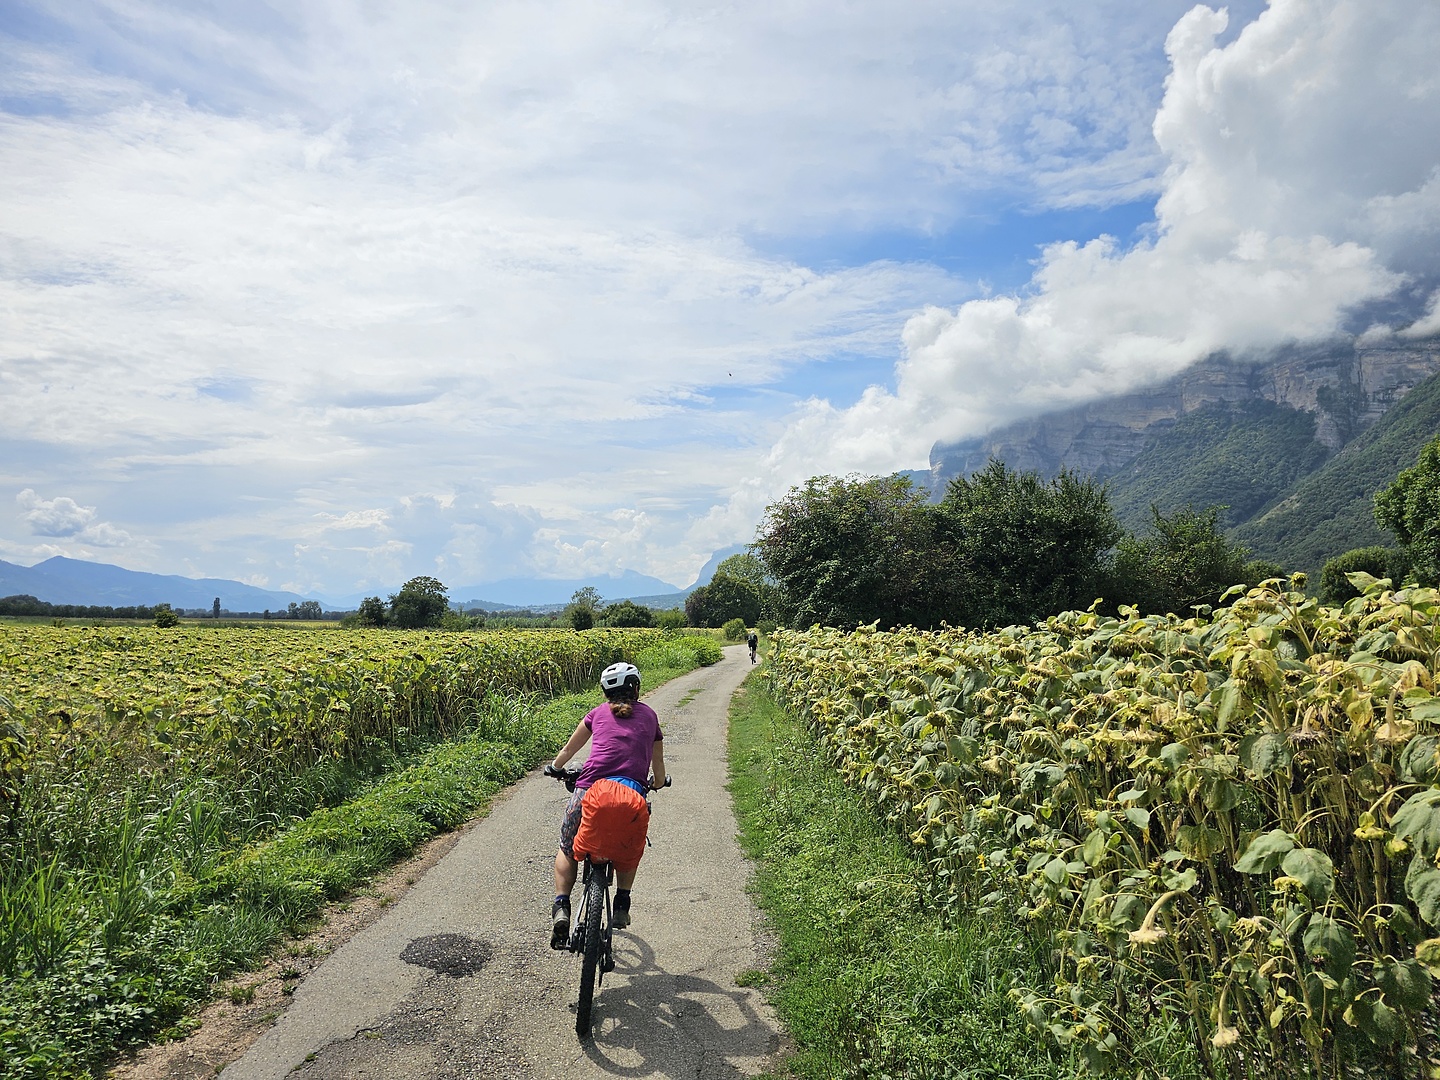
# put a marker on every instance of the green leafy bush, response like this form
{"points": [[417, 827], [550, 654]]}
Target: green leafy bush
{"points": [[627, 613], [1378, 561], [734, 630], [1183, 559], [702, 647]]}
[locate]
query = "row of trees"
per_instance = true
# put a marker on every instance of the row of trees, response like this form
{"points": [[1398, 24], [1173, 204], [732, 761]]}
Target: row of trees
{"points": [[1001, 547], [24, 604], [425, 602], [740, 589], [1006, 547]]}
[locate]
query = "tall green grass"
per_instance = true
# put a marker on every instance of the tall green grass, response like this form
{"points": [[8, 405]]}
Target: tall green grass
{"points": [[870, 978]]}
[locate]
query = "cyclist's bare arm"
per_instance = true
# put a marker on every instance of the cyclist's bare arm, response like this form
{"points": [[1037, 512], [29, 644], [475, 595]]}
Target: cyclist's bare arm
{"points": [[657, 765], [574, 746]]}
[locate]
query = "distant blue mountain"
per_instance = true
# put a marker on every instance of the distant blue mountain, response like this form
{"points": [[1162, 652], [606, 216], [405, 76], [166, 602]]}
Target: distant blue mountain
{"points": [[71, 581], [543, 592]]}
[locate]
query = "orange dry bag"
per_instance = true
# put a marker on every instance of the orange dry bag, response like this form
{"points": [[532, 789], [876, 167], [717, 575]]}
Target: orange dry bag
{"points": [[613, 821]]}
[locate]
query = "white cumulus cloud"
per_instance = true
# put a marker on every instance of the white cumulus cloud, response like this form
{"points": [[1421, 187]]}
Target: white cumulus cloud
{"points": [[1300, 182], [63, 517], [54, 517]]}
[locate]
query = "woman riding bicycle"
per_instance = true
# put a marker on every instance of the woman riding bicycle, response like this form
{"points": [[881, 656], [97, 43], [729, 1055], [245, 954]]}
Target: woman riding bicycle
{"points": [[628, 749]]}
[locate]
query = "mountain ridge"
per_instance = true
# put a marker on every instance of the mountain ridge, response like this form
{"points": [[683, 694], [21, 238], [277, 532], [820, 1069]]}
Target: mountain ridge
{"points": [[1294, 444], [1345, 382], [61, 580]]}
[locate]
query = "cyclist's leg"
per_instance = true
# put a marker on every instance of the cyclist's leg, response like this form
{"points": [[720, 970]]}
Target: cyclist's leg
{"points": [[623, 880], [565, 873], [566, 870]]}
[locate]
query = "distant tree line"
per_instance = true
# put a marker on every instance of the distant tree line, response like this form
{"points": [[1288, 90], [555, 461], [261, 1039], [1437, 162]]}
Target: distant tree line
{"points": [[1001, 547], [423, 602], [24, 604]]}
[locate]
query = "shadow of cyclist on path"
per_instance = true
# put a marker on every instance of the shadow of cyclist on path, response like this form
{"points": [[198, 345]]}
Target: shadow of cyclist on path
{"points": [[653, 1022]]}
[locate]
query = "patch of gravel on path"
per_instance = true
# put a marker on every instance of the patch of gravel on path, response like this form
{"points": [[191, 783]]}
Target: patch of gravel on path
{"points": [[437, 1033]]}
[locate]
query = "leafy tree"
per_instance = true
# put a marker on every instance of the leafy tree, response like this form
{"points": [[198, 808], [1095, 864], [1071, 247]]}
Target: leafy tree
{"points": [[734, 629], [725, 598], [1377, 560], [1014, 548], [747, 568], [846, 551], [583, 608], [1410, 508], [165, 616], [671, 619], [697, 606], [421, 601], [215, 609], [589, 597], [627, 613], [1182, 560], [373, 612], [744, 567]]}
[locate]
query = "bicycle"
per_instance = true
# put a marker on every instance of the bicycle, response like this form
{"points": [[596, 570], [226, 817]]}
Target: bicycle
{"points": [[590, 930]]}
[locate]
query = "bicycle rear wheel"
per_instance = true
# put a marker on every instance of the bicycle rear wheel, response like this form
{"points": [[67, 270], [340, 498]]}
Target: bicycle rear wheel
{"points": [[594, 917]]}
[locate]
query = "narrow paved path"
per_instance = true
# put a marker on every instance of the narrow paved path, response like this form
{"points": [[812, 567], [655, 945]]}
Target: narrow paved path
{"points": [[670, 1008]]}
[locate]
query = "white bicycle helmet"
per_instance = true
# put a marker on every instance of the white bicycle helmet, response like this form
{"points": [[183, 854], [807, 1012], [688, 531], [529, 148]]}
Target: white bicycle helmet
{"points": [[618, 675]]}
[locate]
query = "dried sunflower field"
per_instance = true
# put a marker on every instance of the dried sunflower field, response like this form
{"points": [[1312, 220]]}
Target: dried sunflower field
{"points": [[172, 800], [1231, 819]]}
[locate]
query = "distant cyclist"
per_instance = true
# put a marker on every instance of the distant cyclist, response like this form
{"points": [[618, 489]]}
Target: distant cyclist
{"points": [[609, 811], [754, 642]]}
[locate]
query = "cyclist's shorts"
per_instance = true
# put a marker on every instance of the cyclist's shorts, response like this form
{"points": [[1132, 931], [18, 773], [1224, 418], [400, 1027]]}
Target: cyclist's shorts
{"points": [[614, 820]]}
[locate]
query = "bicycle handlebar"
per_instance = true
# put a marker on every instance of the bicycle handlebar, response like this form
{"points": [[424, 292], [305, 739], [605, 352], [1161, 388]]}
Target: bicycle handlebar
{"points": [[569, 776]]}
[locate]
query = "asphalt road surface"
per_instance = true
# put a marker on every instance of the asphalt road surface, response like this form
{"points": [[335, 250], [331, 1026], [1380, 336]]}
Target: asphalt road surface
{"points": [[458, 979]]}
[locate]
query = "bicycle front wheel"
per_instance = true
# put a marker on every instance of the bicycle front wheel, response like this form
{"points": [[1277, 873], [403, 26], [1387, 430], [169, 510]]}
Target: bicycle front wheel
{"points": [[594, 917]]}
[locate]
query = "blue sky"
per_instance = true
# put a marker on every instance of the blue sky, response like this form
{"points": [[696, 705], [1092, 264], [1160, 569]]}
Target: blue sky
{"points": [[324, 295]]}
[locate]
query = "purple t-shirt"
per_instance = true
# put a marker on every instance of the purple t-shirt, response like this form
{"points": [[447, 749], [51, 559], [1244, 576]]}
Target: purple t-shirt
{"points": [[620, 747]]}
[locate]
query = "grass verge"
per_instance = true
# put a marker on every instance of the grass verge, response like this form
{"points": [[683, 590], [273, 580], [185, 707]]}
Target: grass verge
{"points": [[869, 980]]}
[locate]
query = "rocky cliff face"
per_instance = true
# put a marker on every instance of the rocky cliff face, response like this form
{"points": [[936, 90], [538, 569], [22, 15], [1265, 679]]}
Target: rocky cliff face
{"points": [[1346, 383]]}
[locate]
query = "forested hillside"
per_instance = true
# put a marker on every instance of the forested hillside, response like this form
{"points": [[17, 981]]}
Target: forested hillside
{"points": [[1330, 511], [1241, 455]]}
